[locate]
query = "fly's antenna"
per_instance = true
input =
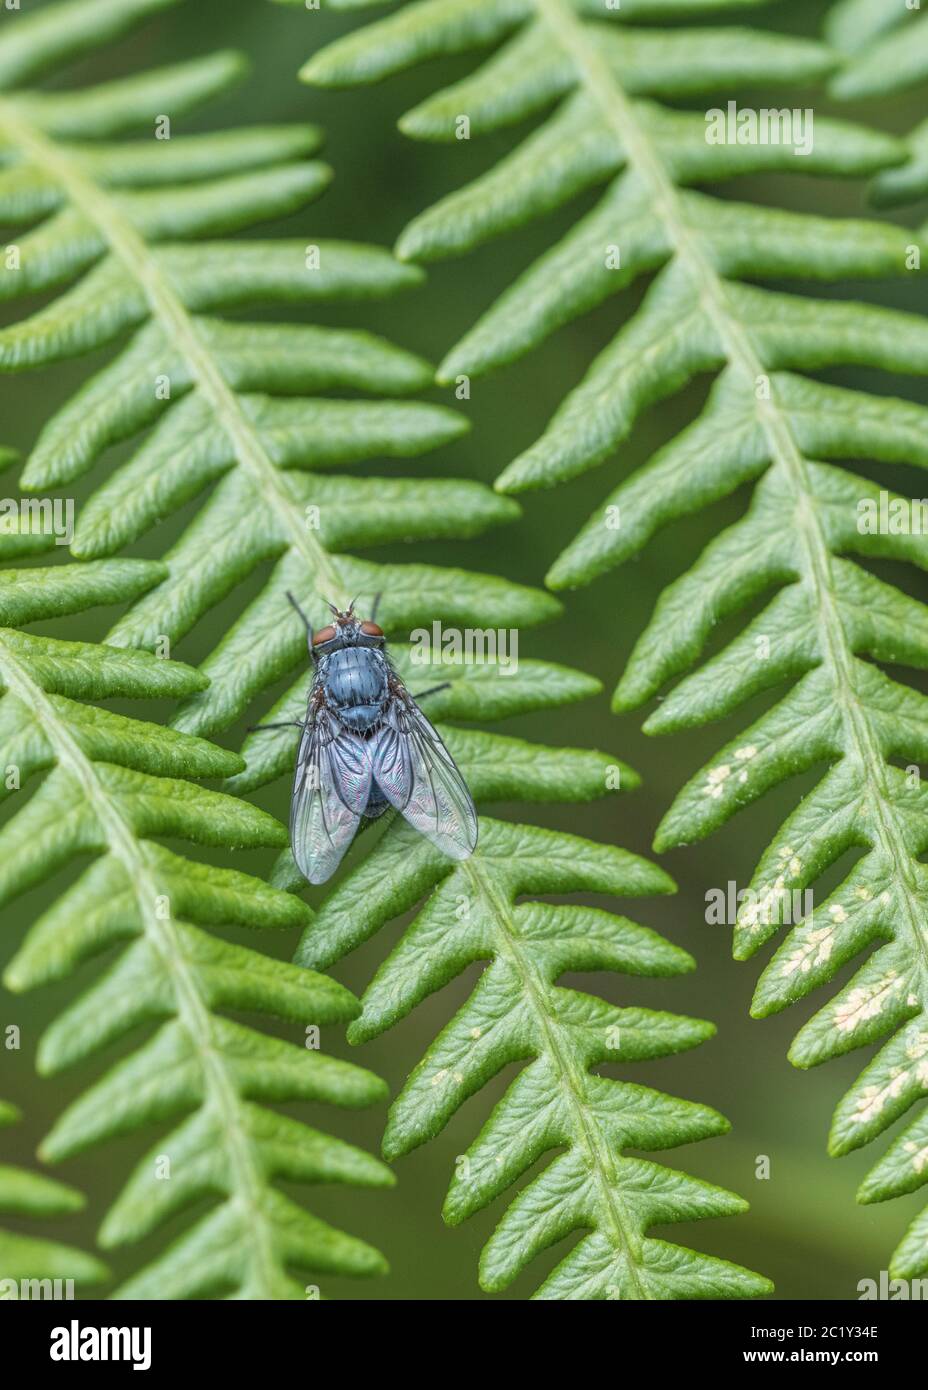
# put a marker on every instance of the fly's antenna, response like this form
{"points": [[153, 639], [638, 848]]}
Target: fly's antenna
{"points": [[306, 623]]}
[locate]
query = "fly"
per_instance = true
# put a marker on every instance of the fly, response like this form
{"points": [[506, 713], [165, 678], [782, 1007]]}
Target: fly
{"points": [[366, 745]]}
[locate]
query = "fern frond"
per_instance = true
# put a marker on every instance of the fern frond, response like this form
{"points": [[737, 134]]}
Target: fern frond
{"points": [[121, 230], [517, 1013], [112, 789], [604, 74], [829, 620], [648, 219], [28, 1258]]}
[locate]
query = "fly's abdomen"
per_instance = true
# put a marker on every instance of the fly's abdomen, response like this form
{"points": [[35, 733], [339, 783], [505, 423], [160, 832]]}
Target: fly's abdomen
{"points": [[355, 681]]}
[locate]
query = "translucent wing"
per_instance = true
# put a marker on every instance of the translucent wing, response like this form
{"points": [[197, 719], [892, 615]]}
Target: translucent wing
{"points": [[418, 776], [330, 791]]}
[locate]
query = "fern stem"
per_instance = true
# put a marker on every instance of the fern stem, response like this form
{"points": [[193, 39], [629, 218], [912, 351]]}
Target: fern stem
{"points": [[162, 934], [567, 29], [587, 1134], [180, 329]]}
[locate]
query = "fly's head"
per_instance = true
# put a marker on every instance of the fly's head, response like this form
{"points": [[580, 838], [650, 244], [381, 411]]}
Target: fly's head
{"points": [[347, 630]]}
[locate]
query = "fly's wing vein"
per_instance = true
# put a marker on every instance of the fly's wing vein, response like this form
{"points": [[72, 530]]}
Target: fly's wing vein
{"points": [[418, 776], [330, 791]]}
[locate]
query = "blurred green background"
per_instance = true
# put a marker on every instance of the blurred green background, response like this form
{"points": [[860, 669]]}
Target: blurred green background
{"points": [[804, 1229]]}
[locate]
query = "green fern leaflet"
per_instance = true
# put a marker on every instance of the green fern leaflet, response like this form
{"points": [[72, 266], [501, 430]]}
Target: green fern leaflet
{"points": [[29, 1259], [886, 44], [884, 53]]}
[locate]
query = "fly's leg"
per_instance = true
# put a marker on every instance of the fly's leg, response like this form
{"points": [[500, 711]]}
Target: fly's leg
{"points": [[432, 690], [306, 623], [376, 604]]}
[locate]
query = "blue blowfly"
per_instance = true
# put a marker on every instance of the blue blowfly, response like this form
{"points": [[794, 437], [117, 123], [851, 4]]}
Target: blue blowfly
{"points": [[366, 745]]}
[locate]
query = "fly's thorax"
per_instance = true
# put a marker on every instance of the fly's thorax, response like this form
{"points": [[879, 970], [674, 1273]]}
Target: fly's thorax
{"points": [[354, 677]]}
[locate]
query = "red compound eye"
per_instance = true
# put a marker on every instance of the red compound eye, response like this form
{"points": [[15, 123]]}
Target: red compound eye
{"points": [[325, 634], [371, 629]]}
